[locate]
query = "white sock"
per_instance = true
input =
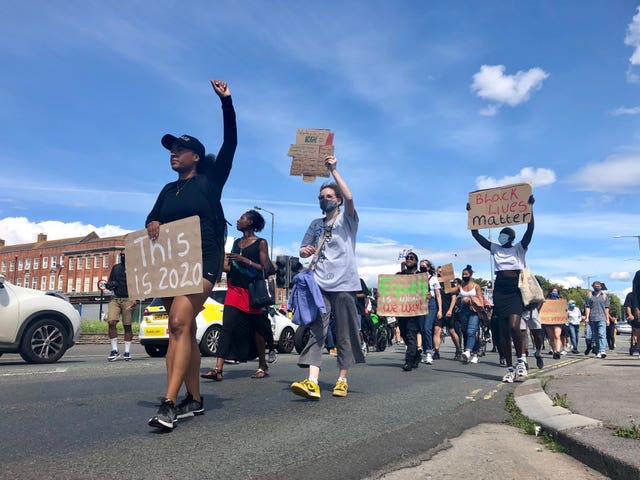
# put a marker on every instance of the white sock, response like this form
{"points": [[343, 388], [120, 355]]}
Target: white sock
{"points": [[343, 379], [114, 344], [127, 347], [313, 379]]}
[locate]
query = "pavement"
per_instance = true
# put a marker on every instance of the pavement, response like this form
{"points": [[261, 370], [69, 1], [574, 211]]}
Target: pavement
{"points": [[593, 398]]}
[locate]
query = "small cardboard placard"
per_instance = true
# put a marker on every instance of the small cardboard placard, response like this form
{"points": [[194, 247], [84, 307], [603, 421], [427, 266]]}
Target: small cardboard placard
{"points": [[403, 295], [499, 207], [553, 312], [168, 266], [308, 153], [447, 276]]}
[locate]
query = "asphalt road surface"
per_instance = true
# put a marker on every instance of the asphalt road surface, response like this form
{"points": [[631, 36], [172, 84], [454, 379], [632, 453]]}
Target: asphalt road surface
{"points": [[83, 417]]}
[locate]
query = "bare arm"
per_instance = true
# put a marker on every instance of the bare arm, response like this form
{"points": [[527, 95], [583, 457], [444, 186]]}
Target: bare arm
{"points": [[526, 238], [347, 198], [483, 241]]}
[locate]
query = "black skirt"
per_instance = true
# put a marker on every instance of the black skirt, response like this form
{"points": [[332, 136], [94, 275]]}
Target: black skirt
{"points": [[507, 299]]}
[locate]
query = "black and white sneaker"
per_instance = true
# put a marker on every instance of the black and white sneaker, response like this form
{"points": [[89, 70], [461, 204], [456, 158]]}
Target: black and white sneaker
{"points": [[113, 356], [166, 417], [189, 407], [272, 357]]}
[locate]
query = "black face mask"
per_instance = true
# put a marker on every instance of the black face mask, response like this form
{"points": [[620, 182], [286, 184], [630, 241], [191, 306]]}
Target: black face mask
{"points": [[466, 279], [424, 269]]}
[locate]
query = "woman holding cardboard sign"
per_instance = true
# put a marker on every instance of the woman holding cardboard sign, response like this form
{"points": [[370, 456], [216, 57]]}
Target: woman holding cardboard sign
{"points": [[196, 192], [508, 260]]}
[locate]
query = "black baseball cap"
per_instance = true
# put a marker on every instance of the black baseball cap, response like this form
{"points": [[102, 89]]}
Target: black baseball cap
{"points": [[185, 141]]}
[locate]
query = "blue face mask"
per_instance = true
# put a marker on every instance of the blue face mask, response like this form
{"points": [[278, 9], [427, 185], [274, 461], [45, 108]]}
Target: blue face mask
{"points": [[328, 206], [503, 239], [554, 295]]}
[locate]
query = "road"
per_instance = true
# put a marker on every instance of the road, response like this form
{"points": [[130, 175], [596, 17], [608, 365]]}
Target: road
{"points": [[86, 418]]}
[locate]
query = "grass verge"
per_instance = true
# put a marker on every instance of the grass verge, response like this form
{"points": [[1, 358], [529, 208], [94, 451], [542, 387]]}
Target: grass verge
{"points": [[96, 326], [528, 426]]}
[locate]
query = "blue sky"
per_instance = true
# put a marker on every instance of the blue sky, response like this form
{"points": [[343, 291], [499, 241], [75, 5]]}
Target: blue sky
{"points": [[428, 101]]}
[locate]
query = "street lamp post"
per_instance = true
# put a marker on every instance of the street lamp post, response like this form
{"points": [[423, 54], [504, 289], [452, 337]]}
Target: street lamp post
{"points": [[629, 236], [273, 221]]}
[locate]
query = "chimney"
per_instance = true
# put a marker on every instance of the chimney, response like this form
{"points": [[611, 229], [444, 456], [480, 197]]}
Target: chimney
{"points": [[1, 242], [42, 237]]}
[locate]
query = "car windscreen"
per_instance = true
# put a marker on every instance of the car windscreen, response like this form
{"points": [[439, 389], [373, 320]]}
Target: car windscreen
{"points": [[218, 296]]}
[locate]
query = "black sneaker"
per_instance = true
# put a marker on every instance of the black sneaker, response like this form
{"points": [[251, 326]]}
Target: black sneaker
{"points": [[556, 355], [539, 361], [436, 354], [458, 355], [407, 367], [588, 350], [188, 407], [166, 417]]}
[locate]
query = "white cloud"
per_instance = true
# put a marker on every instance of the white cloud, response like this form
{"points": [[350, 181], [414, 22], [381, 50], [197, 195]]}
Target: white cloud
{"points": [[569, 281], [633, 38], [18, 230], [538, 177], [620, 276], [617, 174], [626, 111], [492, 84]]}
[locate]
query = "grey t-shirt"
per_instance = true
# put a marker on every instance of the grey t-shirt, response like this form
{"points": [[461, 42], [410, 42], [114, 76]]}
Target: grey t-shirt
{"points": [[598, 305], [336, 269]]}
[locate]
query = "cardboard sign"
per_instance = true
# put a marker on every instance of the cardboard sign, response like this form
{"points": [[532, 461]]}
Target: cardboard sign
{"points": [[447, 276], [499, 207], [553, 312], [311, 148], [403, 295], [168, 266]]}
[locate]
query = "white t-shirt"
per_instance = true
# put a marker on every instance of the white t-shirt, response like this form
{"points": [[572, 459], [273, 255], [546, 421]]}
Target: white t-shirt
{"points": [[434, 284], [336, 269], [511, 258], [575, 316]]}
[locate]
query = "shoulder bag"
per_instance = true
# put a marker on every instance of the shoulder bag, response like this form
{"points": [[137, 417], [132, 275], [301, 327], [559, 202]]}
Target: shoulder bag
{"points": [[262, 291], [529, 288]]}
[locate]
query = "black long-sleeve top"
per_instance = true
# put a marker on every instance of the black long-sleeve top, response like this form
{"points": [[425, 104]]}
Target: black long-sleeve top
{"points": [[201, 194]]}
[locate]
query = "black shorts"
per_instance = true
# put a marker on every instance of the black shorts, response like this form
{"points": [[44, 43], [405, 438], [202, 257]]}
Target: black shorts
{"points": [[635, 324]]}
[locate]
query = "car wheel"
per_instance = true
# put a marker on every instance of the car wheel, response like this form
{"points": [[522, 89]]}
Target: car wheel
{"points": [[301, 337], [44, 341], [156, 350], [287, 341], [209, 342]]}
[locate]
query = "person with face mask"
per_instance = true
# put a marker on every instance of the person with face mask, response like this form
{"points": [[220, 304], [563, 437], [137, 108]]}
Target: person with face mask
{"points": [[471, 299], [554, 332], [575, 319], [449, 319], [410, 326], [596, 307], [509, 260], [331, 241]]}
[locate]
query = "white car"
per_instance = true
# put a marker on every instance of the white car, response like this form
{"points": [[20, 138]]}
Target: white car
{"points": [[154, 328], [623, 327], [40, 326]]}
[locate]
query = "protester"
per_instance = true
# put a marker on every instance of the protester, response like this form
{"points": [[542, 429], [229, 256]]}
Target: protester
{"points": [[509, 260], [611, 331], [531, 321], [120, 306], [471, 300], [432, 321], [410, 326], [575, 319], [196, 192], [449, 319], [554, 331], [596, 308], [630, 315], [242, 338], [332, 241]]}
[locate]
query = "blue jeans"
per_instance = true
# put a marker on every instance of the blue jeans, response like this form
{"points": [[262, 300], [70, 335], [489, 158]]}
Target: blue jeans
{"points": [[598, 335], [426, 326], [574, 332], [470, 324]]}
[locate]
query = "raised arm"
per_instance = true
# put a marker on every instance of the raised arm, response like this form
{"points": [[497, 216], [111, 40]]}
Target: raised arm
{"points": [[222, 166], [484, 242], [347, 198], [526, 238]]}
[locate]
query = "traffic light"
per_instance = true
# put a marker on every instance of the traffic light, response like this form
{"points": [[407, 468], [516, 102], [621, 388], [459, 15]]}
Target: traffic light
{"points": [[282, 262], [294, 268]]}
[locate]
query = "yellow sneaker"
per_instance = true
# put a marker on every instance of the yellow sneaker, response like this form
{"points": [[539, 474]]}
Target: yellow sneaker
{"points": [[306, 389], [340, 390]]}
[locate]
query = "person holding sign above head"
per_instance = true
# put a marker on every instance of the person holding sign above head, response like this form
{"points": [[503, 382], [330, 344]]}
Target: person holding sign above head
{"points": [[508, 260], [241, 323], [196, 192], [331, 241]]}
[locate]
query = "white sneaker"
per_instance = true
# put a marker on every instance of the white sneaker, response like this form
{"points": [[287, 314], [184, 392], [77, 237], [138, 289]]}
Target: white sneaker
{"points": [[598, 355], [466, 356], [563, 352], [521, 370], [429, 359], [475, 359], [510, 376]]}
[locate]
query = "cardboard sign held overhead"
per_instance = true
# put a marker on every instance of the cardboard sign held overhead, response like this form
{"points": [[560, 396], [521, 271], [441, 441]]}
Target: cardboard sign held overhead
{"points": [[311, 148], [403, 295], [499, 207], [554, 312], [168, 266], [447, 276]]}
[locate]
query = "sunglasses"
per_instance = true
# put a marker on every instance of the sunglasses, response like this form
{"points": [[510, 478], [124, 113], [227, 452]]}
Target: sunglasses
{"points": [[410, 257]]}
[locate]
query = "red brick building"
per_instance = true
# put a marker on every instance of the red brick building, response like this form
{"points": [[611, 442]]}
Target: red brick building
{"points": [[73, 266]]}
